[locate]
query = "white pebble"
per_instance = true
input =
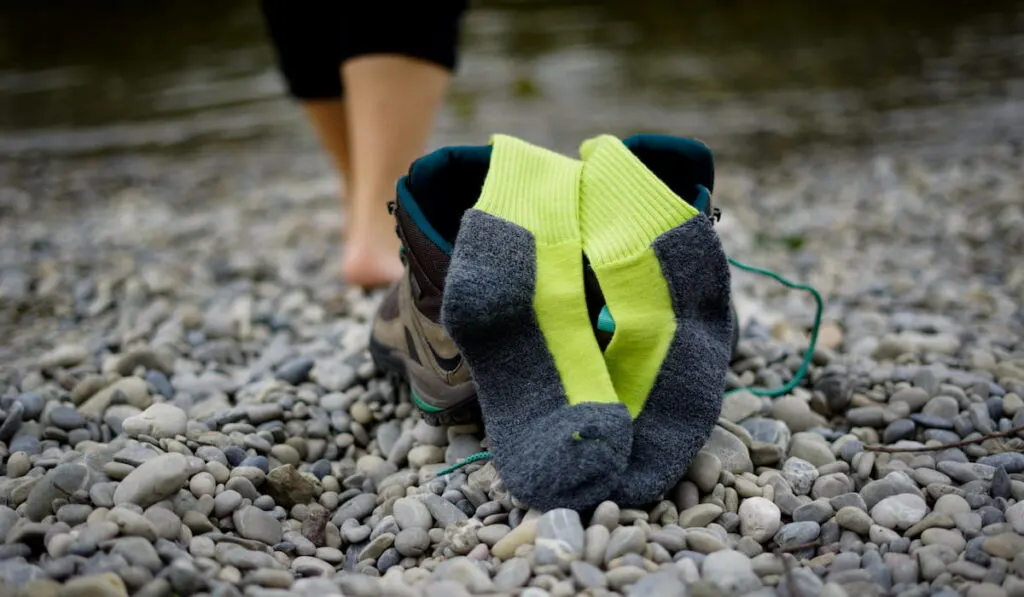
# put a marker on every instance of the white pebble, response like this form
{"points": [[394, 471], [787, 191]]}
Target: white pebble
{"points": [[760, 519], [159, 421]]}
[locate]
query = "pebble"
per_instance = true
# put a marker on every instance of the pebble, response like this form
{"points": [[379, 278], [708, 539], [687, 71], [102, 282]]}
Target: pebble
{"points": [[624, 540], [522, 534], [356, 508], [953, 539], [421, 456], [811, 448], [491, 534], [64, 417], [107, 584], [760, 519], [412, 513], [797, 533], [253, 523], [854, 519], [700, 515], [899, 511], [159, 421], [444, 512], [731, 572], [463, 571], [607, 514], [730, 450], [559, 537], [800, 474], [704, 470], [1015, 516], [377, 546], [412, 542], [154, 480], [515, 573], [595, 542]]}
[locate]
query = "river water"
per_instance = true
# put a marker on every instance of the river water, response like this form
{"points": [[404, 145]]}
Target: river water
{"points": [[183, 95]]}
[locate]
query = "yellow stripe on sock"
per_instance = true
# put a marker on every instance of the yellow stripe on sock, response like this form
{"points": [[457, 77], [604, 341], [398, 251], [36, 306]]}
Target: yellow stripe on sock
{"points": [[624, 207], [538, 190]]}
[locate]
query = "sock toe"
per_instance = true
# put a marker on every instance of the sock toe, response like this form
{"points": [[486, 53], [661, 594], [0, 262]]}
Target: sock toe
{"points": [[571, 458]]}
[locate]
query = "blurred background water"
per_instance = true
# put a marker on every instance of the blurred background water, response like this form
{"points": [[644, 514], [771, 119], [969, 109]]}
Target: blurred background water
{"points": [[183, 94]]}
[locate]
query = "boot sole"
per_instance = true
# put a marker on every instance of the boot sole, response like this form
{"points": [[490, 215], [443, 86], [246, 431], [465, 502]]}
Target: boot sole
{"points": [[424, 392]]}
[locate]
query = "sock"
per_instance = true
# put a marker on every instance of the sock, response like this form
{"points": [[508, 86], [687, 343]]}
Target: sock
{"points": [[666, 282], [514, 304]]}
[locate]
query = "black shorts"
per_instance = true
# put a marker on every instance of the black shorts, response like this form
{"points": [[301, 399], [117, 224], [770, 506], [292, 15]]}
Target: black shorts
{"points": [[312, 40]]}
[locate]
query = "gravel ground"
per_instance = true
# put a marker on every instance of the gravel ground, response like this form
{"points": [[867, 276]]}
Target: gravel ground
{"points": [[188, 408]]}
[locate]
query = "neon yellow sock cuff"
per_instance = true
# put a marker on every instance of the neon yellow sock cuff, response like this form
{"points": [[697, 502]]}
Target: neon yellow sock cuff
{"points": [[627, 206], [534, 188]]}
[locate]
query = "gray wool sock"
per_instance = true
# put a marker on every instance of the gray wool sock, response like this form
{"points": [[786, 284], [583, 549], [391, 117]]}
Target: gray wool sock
{"points": [[665, 281], [686, 400], [550, 454]]}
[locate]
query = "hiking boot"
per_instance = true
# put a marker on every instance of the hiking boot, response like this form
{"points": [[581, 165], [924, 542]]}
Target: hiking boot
{"points": [[407, 340]]}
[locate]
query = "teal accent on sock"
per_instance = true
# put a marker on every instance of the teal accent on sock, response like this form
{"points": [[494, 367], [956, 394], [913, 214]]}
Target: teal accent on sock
{"points": [[605, 323], [416, 214]]}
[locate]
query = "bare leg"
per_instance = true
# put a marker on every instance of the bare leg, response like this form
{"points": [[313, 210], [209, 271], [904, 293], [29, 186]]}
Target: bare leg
{"points": [[330, 122], [392, 102]]}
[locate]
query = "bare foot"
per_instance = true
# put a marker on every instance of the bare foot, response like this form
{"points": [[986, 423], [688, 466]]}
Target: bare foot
{"points": [[371, 263]]}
